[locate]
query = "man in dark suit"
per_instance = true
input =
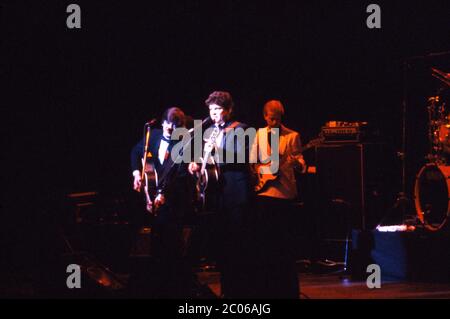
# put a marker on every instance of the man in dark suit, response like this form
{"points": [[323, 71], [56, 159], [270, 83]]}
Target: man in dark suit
{"points": [[233, 192], [172, 201]]}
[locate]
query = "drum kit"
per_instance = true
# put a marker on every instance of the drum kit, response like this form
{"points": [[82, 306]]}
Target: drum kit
{"points": [[432, 184]]}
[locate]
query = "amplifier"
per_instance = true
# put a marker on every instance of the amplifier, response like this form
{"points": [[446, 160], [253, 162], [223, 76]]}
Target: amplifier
{"points": [[335, 131]]}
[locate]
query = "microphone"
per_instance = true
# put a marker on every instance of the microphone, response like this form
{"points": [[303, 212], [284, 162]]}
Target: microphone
{"points": [[151, 122], [207, 120]]}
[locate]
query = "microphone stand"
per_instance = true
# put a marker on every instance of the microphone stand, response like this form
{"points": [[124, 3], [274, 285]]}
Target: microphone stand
{"points": [[147, 129], [402, 200]]}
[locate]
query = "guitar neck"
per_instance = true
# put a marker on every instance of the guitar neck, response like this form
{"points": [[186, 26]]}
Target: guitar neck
{"points": [[205, 161]]}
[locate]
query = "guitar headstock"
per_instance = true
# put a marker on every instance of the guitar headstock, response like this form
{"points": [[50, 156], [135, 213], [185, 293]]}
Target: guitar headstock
{"points": [[314, 142]]}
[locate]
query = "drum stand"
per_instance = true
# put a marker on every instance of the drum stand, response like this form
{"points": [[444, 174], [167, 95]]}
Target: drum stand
{"points": [[402, 201], [403, 204]]}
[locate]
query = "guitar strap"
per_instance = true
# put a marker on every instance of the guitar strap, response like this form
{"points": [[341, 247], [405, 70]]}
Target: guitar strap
{"points": [[231, 126], [225, 130]]}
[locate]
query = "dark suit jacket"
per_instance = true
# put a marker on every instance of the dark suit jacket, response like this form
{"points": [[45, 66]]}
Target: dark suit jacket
{"points": [[172, 179], [234, 181]]}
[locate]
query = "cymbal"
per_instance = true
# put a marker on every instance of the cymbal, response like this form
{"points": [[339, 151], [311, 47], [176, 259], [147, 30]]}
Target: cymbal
{"points": [[444, 77]]}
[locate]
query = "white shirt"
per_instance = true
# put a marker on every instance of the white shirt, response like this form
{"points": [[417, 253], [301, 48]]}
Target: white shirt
{"points": [[290, 157], [220, 137], [162, 151]]}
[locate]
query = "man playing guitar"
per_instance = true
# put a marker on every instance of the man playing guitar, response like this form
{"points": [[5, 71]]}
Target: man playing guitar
{"points": [[276, 194], [233, 194], [169, 205]]}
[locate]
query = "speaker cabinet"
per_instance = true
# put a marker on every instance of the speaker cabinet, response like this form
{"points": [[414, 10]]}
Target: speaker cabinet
{"points": [[349, 186]]}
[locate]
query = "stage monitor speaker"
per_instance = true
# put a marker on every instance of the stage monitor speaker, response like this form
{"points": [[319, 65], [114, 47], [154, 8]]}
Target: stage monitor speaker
{"points": [[350, 184]]}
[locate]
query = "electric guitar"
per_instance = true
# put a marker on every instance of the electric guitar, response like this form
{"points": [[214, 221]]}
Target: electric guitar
{"points": [[262, 180]]}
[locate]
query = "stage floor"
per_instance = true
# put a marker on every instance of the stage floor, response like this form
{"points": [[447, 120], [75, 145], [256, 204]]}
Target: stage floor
{"points": [[312, 286], [337, 286]]}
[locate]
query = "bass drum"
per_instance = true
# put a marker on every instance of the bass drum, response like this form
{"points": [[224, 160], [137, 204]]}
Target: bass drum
{"points": [[431, 192]]}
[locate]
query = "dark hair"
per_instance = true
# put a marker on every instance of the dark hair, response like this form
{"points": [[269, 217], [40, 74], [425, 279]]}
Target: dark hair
{"points": [[189, 121], [221, 98], [174, 115]]}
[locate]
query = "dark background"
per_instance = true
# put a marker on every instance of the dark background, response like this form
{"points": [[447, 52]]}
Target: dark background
{"points": [[84, 95], [75, 101]]}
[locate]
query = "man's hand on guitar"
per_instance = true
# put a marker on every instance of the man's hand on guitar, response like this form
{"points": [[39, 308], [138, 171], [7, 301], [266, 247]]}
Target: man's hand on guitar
{"points": [[193, 168], [159, 201], [152, 207], [137, 183], [149, 207], [297, 163]]}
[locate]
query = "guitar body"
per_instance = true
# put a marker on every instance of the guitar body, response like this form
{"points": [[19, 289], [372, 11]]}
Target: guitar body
{"points": [[150, 184], [263, 179], [207, 189]]}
